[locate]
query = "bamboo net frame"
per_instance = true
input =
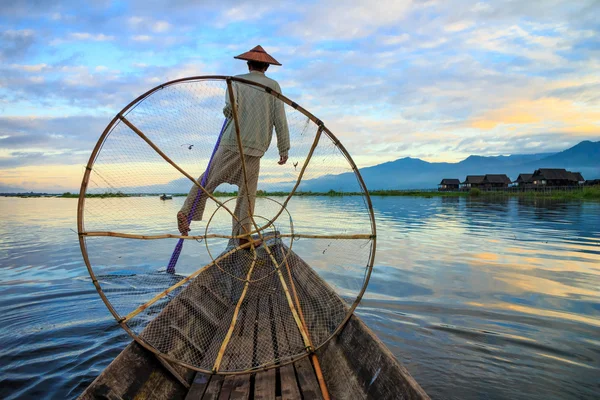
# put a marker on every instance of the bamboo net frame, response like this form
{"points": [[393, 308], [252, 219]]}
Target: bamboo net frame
{"points": [[287, 283]]}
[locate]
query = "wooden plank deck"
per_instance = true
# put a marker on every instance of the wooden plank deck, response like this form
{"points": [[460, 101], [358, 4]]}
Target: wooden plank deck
{"points": [[292, 382]]}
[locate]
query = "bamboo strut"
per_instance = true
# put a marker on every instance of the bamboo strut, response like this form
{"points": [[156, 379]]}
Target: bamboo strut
{"points": [[250, 211], [177, 167], [234, 318], [153, 237], [264, 243], [313, 356], [214, 235], [236, 122], [178, 284], [302, 236], [289, 298]]}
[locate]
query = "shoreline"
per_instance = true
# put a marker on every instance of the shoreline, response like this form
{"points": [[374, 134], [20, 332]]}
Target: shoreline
{"points": [[587, 193]]}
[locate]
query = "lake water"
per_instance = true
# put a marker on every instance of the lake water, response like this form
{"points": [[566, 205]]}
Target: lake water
{"points": [[478, 299]]}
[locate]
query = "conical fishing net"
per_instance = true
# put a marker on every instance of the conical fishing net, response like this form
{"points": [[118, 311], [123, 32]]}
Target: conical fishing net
{"points": [[269, 271]]}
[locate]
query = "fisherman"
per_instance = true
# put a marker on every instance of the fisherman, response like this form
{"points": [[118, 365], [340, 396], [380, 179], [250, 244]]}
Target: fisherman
{"points": [[258, 112]]}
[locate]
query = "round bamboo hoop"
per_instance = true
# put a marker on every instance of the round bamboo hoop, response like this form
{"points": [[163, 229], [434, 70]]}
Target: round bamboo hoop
{"points": [[297, 313]]}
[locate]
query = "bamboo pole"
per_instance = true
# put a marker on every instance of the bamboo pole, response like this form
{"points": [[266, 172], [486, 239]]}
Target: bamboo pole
{"points": [[288, 297], [234, 318], [241, 150], [80, 207], [373, 230], [236, 122], [153, 237], [303, 236], [173, 164], [218, 236], [313, 356], [178, 284]]}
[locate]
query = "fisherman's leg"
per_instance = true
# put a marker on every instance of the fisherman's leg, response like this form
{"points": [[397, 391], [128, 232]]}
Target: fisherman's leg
{"points": [[218, 174], [244, 207]]}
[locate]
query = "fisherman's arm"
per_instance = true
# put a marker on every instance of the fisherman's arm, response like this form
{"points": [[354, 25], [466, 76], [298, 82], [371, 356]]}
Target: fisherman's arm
{"points": [[227, 111], [281, 130]]}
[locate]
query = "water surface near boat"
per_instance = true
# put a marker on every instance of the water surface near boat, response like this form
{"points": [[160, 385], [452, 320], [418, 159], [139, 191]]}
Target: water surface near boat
{"points": [[478, 299]]}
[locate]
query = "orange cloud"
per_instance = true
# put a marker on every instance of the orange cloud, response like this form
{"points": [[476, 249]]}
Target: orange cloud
{"points": [[543, 113]]}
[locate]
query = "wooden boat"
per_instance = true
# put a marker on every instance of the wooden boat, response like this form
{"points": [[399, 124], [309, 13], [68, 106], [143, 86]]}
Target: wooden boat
{"points": [[355, 364]]}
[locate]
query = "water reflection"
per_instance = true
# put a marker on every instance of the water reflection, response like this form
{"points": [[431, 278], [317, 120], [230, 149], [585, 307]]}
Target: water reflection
{"points": [[504, 294], [478, 298]]}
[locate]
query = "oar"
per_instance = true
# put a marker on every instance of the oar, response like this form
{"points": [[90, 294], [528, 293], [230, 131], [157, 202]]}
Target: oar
{"points": [[179, 246]]}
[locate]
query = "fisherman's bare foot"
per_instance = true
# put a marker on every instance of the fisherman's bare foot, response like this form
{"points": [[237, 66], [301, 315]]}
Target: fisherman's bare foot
{"points": [[182, 223]]}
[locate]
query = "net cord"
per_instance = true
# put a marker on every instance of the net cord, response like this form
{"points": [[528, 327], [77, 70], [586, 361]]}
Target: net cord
{"points": [[86, 179]]}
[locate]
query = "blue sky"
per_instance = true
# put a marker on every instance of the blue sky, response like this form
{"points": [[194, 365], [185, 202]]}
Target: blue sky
{"points": [[438, 80]]}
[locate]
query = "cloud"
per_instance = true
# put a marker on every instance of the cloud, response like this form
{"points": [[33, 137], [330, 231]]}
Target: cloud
{"points": [[458, 26], [392, 78], [82, 36], [395, 39], [161, 26], [47, 133], [141, 38], [146, 23], [348, 20], [100, 37], [541, 113], [15, 44]]}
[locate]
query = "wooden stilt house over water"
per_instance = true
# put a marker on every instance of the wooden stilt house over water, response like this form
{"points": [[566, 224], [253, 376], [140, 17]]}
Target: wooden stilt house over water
{"points": [[493, 181], [472, 181], [524, 180], [556, 177], [447, 185], [592, 182], [579, 177]]}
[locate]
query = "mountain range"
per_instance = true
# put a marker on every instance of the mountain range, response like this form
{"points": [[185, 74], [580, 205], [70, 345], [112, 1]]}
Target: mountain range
{"points": [[414, 173]]}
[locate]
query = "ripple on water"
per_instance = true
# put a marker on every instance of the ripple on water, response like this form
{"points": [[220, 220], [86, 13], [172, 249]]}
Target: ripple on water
{"points": [[479, 299]]}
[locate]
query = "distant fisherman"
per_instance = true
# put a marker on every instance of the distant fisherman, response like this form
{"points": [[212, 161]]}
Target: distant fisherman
{"points": [[258, 113]]}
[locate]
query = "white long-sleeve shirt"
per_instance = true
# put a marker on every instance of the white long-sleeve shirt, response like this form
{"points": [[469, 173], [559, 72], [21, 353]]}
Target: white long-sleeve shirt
{"points": [[258, 114]]}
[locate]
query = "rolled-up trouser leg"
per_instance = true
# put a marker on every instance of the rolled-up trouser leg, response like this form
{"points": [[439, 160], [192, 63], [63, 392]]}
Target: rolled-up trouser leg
{"points": [[191, 197], [224, 169]]}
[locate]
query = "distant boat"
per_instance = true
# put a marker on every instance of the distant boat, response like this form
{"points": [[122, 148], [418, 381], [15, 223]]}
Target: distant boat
{"points": [[166, 197]]}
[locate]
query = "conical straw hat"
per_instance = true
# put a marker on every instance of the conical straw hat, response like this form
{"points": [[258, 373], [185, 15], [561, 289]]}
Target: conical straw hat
{"points": [[258, 54]]}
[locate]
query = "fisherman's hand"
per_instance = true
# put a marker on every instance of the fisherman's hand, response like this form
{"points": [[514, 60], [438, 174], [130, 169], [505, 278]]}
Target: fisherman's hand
{"points": [[282, 160]]}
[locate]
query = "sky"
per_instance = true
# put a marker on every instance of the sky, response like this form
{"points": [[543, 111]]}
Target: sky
{"points": [[436, 80]]}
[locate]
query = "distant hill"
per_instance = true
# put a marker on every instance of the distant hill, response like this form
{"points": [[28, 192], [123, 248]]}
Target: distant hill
{"points": [[584, 154], [12, 189], [414, 173]]}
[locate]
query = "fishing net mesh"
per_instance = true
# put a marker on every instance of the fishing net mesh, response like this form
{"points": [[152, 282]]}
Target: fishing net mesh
{"points": [[211, 300]]}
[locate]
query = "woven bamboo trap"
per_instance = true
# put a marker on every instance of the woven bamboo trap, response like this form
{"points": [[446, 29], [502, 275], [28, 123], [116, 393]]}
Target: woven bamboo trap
{"points": [[209, 300]]}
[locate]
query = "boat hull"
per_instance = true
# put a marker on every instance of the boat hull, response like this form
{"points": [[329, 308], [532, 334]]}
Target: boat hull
{"points": [[355, 363]]}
